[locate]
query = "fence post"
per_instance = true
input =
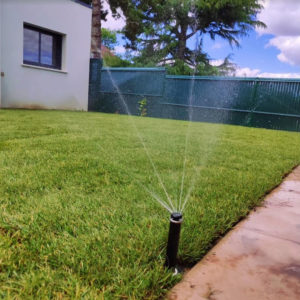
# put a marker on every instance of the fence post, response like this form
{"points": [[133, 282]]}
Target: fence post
{"points": [[94, 83]]}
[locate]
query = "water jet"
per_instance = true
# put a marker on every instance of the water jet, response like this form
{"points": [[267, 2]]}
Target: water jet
{"points": [[173, 239]]}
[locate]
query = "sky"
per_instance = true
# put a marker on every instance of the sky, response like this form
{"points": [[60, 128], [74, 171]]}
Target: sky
{"points": [[270, 52]]}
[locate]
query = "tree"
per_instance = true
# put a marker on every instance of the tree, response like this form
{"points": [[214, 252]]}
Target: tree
{"points": [[99, 35], [114, 61], [97, 15], [149, 58], [109, 38], [226, 67], [161, 28], [109, 41]]}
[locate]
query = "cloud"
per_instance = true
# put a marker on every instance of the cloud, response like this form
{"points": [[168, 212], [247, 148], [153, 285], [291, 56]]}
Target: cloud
{"points": [[279, 75], [289, 47], [217, 46], [282, 20], [120, 50], [112, 23], [281, 17], [247, 72], [216, 62]]}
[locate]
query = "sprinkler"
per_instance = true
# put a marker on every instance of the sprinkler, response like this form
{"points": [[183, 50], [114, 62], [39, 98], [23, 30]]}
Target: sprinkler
{"points": [[173, 239]]}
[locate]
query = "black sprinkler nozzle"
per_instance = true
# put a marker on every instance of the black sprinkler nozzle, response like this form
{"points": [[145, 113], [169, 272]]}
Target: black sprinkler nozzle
{"points": [[173, 239]]}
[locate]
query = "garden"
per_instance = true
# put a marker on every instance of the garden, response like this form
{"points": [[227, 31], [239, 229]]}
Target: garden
{"points": [[80, 216]]}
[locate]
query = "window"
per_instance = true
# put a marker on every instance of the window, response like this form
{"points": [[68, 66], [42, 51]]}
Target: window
{"points": [[42, 47]]}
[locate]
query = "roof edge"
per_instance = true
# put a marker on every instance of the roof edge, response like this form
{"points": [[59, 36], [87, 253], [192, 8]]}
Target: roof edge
{"points": [[82, 3]]}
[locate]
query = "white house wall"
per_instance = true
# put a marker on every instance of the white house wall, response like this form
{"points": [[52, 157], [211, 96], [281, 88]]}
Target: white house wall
{"points": [[32, 87]]}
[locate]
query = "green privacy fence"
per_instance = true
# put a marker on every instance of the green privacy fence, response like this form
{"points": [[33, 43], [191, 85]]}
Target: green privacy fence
{"points": [[122, 88], [268, 103]]}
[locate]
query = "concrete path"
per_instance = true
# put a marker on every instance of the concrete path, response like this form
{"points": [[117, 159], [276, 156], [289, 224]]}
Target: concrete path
{"points": [[258, 260]]}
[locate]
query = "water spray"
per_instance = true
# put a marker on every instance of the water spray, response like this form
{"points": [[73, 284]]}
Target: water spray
{"points": [[173, 240]]}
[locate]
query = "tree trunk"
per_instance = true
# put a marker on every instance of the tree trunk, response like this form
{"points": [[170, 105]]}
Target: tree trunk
{"points": [[96, 30], [182, 42], [181, 48]]}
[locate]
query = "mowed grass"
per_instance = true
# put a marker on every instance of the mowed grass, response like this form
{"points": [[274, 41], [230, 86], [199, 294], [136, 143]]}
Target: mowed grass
{"points": [[76, 221]]}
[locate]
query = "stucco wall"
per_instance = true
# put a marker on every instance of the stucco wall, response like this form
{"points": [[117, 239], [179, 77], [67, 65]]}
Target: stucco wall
{"points": [[29, 87]]}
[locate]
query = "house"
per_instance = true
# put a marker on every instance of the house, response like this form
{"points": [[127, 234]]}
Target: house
{"points": [[105, 51], [44, 54]]}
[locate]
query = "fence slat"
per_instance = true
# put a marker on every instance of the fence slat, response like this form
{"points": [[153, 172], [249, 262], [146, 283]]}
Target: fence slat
{"points": [[258, 102]]}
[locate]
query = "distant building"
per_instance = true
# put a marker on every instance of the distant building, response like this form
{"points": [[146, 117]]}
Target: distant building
{"points": [[44, 54], [106, 52]]}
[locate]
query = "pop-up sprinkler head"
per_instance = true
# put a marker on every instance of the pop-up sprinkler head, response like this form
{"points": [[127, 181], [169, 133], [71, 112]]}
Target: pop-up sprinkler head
{"points": [[173, 239]]}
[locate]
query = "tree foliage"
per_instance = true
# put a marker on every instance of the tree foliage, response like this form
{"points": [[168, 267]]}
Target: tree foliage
{"points": [[115, 61], [160, 29], [109, 38]]}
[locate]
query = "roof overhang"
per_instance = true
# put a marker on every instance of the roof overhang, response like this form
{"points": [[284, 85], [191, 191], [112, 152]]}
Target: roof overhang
{"points": [[82, 3]]}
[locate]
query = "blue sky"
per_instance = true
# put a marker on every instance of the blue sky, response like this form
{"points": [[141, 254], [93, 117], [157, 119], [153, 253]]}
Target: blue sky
{"points": [[271, 52], [255, 53]]}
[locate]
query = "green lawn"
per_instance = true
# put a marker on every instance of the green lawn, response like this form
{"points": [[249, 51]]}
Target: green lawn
{"points": [[75, 220]]}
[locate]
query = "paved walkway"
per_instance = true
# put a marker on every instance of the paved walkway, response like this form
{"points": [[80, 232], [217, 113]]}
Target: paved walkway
{"points": [[258, 260]]}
